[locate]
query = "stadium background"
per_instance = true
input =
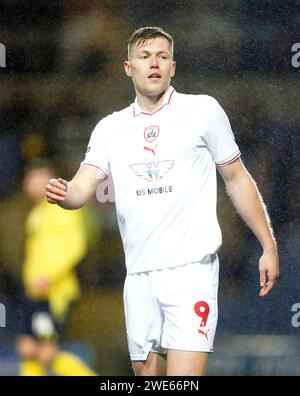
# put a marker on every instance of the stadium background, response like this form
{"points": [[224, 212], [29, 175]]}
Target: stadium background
{"points": [[64, 72]]}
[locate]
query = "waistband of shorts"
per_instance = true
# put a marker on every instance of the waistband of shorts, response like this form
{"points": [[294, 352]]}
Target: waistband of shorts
{"points": [[205, 260]]}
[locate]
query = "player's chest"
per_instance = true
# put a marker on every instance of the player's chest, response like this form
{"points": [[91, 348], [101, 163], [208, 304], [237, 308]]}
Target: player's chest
{"points": [[153, 138]]}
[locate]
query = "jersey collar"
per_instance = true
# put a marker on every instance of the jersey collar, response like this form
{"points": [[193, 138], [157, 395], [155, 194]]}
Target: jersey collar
{"points": [[167, 100]]}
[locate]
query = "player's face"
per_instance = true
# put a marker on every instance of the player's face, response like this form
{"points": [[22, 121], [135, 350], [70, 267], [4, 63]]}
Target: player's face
{"points": [[35, 182], [151, 66]]}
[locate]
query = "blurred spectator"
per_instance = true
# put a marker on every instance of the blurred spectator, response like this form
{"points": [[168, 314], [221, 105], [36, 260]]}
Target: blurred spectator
{"points": [[92, 37], [55, 244]]}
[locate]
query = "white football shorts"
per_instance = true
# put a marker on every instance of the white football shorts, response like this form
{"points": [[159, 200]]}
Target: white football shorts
{"points": [[172, 308]]}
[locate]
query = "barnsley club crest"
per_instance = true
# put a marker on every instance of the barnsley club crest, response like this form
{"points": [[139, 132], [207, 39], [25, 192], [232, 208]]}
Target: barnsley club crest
{"points": [[151, 133]]}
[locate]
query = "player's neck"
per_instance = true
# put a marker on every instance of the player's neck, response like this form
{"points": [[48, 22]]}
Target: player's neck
{"points": [[150, 103]]}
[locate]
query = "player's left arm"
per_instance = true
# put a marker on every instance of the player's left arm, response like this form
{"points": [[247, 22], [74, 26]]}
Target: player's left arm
{"points": [[246, 198]]}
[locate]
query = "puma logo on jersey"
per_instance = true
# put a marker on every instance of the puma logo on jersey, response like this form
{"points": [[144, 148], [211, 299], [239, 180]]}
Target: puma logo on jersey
{"points": [[203, 332], [150, 149]]}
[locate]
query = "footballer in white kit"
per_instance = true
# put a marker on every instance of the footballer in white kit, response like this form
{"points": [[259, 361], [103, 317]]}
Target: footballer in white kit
{"points": [[164, 169], [162, 153]]}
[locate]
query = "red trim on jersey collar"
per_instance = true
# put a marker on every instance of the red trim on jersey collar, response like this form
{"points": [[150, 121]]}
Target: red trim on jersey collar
{"points": [[167, 100]]}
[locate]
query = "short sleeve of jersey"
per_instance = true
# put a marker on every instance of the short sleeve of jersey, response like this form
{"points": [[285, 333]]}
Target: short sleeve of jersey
{"points": [[96, 154], [218, 135]]}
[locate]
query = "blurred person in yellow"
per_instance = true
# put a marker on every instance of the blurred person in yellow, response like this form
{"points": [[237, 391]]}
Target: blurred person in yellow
{"points": [[55, 243]]}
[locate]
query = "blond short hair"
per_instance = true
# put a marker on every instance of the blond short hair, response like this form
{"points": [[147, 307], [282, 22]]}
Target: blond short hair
{"points": [[147, 33]]}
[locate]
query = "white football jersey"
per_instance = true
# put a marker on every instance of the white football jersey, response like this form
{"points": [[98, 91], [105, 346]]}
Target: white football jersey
{"points": [[163, 165]]}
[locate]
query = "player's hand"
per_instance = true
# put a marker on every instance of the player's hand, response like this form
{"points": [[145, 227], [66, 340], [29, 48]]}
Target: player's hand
{"points": [[268, 271], [56, 190]]}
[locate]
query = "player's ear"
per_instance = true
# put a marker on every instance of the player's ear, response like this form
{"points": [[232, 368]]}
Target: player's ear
{"points": [[127, 68], [173, 69]]}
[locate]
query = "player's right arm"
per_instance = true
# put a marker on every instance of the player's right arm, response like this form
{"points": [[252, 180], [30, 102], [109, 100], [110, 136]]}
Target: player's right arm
{"points": [[74, 194]]}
